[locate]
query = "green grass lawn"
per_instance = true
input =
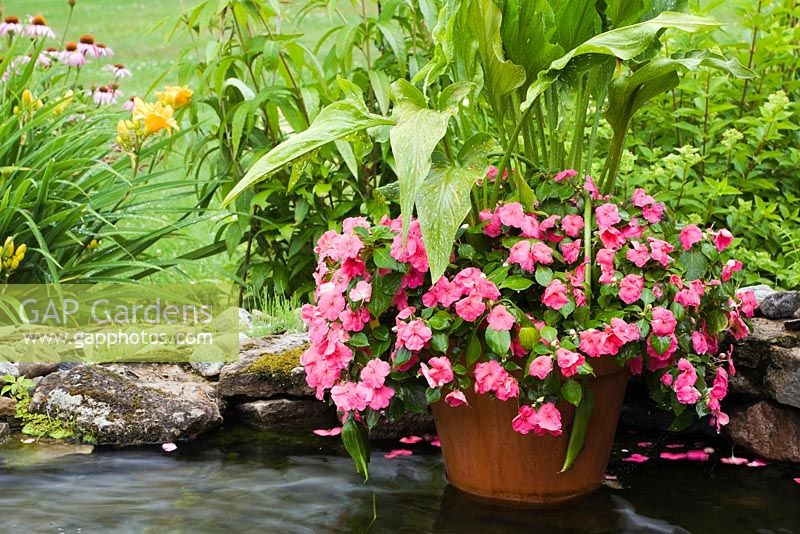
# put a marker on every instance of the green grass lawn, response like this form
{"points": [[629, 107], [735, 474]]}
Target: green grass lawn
{"points": [[135, 29]]}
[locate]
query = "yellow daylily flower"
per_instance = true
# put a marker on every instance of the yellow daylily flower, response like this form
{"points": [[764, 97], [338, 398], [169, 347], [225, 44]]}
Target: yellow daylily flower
{"points": [[174, 96]]}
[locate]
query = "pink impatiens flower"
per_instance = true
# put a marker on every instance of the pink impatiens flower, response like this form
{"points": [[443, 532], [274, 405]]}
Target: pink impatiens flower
{"points": [[541, 367], [375, 372], [607, 215], [555, 295], [564, 175], [439, 373], [653, 212], [722, 239], [491, 377], [572, 225], [397, 453], [730, 267], [659, 251], [511, 214], [545, 420], [413, 335], [638, 254], [630, 288], [456, 398], [470, 307], [664, 321], [571, 251], [690, 234], [641, 199], [499, 318], [569, 361], [361, 292], [636, 458]]}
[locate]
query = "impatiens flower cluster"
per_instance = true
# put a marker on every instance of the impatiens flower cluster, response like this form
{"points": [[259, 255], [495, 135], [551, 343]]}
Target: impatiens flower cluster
{"points": [[525, 310]]}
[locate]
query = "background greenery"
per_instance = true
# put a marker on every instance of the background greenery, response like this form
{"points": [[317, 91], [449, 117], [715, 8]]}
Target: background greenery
{"points": [[684, 144]]}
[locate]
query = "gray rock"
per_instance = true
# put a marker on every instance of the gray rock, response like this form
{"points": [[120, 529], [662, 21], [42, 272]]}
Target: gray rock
{"points": [[7, 368], [416, 424], [769, 430], [128, 405], [768, 363], [208, 369], [295, 413], [245, 321], [4, 431], [265, 368], [782, 378], [780, 305], [760, 291], [34, 369], [8, 407]]}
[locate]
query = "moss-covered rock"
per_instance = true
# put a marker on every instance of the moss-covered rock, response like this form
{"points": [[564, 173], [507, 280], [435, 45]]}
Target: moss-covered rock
{"points": [[118, 410], [267, 367]]}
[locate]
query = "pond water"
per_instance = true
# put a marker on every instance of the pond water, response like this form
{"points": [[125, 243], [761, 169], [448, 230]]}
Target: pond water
{"points": [[250, 481]]}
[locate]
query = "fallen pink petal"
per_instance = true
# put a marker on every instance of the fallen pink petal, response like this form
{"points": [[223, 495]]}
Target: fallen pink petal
{"points": [[436, 443], [645, 444], [410, 440], [674, 445], [609, 476], [636, 458], [335, 431], [796, 480], [709, 450], [757, 463], [169, 447], [734, 460], [396, 453], [697, 456], [673, 456]]}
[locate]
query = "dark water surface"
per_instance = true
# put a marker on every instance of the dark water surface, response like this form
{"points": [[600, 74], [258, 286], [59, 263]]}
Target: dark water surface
{"points": [[247, 481]]}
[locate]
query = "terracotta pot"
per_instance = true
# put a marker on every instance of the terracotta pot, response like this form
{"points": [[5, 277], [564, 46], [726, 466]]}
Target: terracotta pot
{"points": [[484, 456]]}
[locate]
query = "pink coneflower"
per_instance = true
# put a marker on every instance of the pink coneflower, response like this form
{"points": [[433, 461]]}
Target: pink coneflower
{"points": [[129, 104], [103, 50], [43, 60], [10, 25], [52, 53], [118, 70], [71, 56], [38, 28], [105, 94], [87, 47]]}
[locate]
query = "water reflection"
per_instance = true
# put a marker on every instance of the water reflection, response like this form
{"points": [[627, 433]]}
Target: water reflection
{"points": [[255, 481]]}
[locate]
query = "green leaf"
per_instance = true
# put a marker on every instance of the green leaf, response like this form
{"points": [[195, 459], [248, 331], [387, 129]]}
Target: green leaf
{"points": [[359, 339], [544, 275], [647, 296], [473, 351], [440, 342], [384, 260], [572, 392], [622, 43], [516, 283], [682, 421], [502, 76], [413, 138], [528, 337], [443, 201], [549, 333], [528, 28], [660, 344], [354, 437], [577, 437], [695, 264], [577, 21], [402, 357], [383, 291], [498, 342], [627, 93], [433, 395], [338, 120]]}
